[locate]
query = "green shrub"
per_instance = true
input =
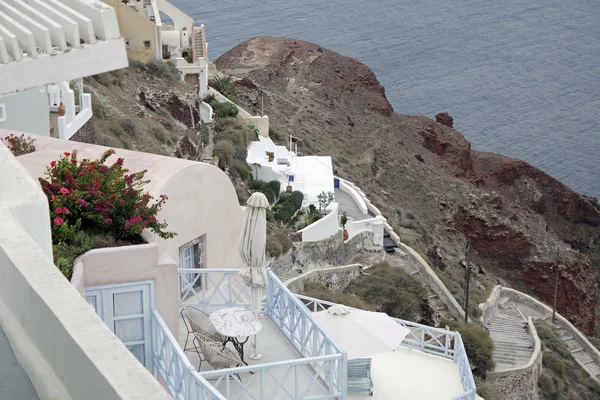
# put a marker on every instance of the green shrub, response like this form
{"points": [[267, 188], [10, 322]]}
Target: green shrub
{"points": [[478, 344], [394, 291], [225, 86], [278, 242], [205, 133], [270, 189], [159, 133], [318, 290], [225, 151], [289, 207], [128, 126], [487, 390], [224, 110], [158, 68], [210, 99], [562, 377], [240, 169], [19, 144]]}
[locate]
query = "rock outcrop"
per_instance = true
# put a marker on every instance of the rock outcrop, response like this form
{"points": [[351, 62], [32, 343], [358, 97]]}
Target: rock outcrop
{"points": [[517, 217]]}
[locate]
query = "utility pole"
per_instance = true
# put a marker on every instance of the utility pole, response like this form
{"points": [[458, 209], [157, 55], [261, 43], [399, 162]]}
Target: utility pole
{"points": [[555, 287], [262, 104], [467, 279]]}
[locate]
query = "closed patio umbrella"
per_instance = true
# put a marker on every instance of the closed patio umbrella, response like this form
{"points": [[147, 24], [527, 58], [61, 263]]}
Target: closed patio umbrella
{"points": [[361, 333], [251, 246]]}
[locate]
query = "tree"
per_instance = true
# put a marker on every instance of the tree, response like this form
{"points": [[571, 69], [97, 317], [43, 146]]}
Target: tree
{"points": [[256, 167], [324, 199]]}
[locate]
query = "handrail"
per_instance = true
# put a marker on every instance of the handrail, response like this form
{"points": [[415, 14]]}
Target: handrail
{"points": [[435, 341], [228, 290], [253, 368], [171, 364]]}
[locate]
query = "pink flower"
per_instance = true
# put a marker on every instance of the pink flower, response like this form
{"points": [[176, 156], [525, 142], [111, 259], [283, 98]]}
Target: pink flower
{"points": [[82, 202], [53, 164], [108, 221], [67, 154], [65, 210], [64, 190], [58, 221], [74, 161], [59, 210]]}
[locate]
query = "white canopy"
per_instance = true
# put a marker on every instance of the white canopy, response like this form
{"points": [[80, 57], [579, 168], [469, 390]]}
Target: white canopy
{"points": [[361, 333], [253, 241]]}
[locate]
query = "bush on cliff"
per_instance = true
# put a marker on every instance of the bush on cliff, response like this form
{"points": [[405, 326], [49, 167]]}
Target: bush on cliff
{"points": [[478, 344], [562, 377], [394, 292], [278, 242], [224, 110], [287, 209], [318, 290], [270, 189]]}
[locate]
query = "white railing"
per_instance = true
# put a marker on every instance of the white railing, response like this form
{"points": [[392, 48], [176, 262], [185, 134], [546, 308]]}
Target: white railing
{"points": [[174, 369], [439, 342], [320, 373], [299, 326], [213, 287]]}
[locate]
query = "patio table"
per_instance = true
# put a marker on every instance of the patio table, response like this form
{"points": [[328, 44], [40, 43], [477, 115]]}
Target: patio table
{"points": [[236, 323]]}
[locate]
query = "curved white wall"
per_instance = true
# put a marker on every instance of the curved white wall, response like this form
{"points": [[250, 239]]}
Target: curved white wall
{"points": [[202, 199], [324, 228]]}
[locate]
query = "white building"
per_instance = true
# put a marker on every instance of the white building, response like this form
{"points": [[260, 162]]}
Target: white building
{"points": [[45, 45], [309, 174]]}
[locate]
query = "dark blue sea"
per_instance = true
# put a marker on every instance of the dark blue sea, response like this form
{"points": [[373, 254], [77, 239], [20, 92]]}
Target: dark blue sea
{"points": [[520, 77]]}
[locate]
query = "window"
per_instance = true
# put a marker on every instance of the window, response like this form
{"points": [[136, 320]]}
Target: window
{"points": [[191, 255], [146, 44], [291, 178], [2, 113]]}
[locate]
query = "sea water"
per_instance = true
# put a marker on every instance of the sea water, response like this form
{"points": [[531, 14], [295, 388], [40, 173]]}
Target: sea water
{"points": [[520, 77]]}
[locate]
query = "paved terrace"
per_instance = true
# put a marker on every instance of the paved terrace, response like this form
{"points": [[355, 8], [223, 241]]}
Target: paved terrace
{"points": [[14, 383], [403, 373]]}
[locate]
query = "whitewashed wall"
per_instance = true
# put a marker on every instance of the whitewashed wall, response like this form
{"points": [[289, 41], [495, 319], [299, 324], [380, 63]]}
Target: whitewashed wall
{"points": [[27, 111], [374, 225], [324, 228]]}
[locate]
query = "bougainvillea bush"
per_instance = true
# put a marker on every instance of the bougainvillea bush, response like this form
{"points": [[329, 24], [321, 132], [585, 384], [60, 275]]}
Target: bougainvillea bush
{"points": [[19, 145], [102, 201]]}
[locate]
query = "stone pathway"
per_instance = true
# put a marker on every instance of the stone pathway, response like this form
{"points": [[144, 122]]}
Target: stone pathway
{"points": [[207, 152], [513, 346]]}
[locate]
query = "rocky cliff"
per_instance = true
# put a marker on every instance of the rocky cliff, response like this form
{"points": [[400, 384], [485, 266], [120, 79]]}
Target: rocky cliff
{"points": [[519, 220]]}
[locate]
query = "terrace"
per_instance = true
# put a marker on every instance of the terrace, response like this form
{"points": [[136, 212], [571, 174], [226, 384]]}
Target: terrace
{"points": [[300, 360]]}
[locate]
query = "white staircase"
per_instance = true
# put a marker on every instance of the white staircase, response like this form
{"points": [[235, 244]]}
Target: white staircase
{"points": [[199, 41], [512, 342], [581, 356]]}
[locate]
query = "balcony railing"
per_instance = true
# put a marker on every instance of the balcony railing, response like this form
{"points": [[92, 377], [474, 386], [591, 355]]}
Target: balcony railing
{"points": [[439, 342], [319, 374], [213, 287], [174, 368]]}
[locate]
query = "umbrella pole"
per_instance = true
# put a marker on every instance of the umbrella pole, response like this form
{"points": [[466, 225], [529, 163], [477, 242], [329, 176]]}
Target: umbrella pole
{"points": [[256, 295]]}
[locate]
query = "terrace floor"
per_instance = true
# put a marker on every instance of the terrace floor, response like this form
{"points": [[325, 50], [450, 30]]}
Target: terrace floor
{"points": [[14, 382], [403, 373]]}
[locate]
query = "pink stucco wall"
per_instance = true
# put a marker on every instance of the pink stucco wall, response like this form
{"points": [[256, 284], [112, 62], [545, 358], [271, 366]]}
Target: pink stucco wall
{"points": [[127, 264]]}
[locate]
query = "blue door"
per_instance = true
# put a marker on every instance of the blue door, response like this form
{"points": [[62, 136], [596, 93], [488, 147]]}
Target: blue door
{"points": [[336, 183]]}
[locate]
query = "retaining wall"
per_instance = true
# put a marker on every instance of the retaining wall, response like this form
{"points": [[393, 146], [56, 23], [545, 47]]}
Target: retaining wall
{"points": [[521, 382], [323, 228], [432, 280], [336, 278], [326, 253]]}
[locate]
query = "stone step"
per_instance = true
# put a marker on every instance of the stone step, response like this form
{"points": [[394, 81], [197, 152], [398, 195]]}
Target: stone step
{"points": [[511, 360], [592, 368], [507, 317], [515, 346]]}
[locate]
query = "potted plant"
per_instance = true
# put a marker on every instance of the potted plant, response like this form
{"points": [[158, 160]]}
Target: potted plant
{"points": [[344, 221], [271, 155]]}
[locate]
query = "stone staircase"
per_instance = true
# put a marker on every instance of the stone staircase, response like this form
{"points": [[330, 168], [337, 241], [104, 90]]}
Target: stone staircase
{"points": [[580, 355], [513, 345], [199, 42]]}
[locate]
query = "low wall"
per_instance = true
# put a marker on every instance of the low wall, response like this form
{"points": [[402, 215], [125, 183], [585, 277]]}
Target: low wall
{"points": [[206, 112], [374, 225], [521, 382], [348, 188], [537, 305], [335, 278], [322, 229], [128, 264], [326, 253], [432, 280]]}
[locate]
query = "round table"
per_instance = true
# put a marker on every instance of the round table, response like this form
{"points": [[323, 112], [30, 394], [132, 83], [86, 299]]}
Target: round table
{"points": [[236, 323]]}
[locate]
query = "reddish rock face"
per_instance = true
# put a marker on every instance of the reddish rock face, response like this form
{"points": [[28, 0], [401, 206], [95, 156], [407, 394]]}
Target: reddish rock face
{"points": [[515, 215], [445, 119]]}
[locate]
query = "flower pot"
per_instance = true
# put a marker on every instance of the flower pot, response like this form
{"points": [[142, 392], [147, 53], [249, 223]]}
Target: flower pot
{"points": [[61, 109], [271, 158], [345, 234], [288, 188]]}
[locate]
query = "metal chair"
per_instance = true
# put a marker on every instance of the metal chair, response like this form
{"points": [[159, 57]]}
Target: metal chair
{"points": [[216, 355], [359, 376], [197, 321]]}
